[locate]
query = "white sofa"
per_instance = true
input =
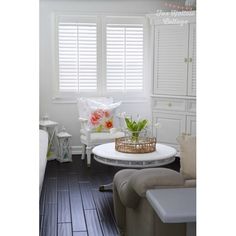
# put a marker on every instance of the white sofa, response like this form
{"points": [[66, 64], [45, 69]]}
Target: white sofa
{"points": [[43, 147]]}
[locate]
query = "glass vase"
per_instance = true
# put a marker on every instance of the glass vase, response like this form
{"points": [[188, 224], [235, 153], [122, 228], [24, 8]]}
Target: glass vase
{"points": [[136, 136]]}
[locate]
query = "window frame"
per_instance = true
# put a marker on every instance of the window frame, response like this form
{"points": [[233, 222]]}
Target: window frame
{"points": [[102, 20]]}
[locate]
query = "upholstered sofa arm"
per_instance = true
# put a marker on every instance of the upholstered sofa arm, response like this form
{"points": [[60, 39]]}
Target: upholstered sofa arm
{"points": [[133, 184], [145, 179], [122, 188]]}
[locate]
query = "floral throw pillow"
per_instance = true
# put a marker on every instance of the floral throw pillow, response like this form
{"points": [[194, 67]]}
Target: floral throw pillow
{"points": [[101, 120], [101, 117]]}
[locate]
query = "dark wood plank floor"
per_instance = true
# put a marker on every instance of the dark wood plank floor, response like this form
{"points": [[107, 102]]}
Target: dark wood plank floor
{"points": [[70, 203]]}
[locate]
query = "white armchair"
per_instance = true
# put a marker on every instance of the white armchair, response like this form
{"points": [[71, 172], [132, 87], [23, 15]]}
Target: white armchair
{"points": [[89, 137]]}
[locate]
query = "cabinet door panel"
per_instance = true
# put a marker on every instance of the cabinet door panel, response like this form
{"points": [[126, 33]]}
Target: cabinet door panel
{"points": [[191, 125], [171, 59], [192, 61], [171, 126]]}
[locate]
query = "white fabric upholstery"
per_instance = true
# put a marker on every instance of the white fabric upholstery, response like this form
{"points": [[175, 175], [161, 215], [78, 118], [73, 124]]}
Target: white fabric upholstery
{"points": [[43, 142]]}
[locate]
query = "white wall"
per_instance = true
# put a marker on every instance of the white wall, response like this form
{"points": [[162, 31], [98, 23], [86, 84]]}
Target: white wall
{"points": [[66, 114]]}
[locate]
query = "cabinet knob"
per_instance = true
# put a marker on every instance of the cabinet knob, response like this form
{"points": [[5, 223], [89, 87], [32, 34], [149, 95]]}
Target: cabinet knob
{"points": [[190, 59], [169, 104], [185, 59]]}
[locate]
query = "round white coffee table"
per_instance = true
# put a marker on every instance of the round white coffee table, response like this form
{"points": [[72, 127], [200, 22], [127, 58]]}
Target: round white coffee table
{"points": [[107, 155]]}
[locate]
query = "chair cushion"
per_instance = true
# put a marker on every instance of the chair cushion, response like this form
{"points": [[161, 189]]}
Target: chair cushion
{"points": [[103, 136], [187, 155]]}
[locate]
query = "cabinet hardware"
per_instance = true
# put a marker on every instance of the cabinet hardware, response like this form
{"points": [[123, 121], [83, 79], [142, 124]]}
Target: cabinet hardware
{"points": [[190, 59], [169, 104], [185, 59]]}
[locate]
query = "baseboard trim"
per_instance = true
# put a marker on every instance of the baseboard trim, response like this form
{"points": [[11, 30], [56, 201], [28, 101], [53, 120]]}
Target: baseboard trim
{"points": [[76, 150]]}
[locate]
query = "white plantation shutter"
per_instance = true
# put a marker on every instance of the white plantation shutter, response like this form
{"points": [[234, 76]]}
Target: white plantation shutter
{"points": [[77, 56], [124, 57]]}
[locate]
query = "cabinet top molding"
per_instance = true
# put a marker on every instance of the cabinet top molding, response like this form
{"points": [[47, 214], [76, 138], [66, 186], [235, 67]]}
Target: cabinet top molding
{"points": [[172, 17]]}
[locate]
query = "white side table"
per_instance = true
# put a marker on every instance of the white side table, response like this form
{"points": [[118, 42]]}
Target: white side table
{"points": [[51, 127], [107, 155], [175, 206], [64, 147]]}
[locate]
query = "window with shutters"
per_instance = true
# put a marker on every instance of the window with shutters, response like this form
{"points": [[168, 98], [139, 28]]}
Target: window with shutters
{"points": [[124, 57], [77, 54], [100, 54]]}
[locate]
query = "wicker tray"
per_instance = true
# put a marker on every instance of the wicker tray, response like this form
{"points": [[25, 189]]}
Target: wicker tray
{"points": [[144, 145]]}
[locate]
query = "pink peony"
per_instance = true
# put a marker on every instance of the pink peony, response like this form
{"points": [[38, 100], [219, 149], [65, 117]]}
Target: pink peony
{"points": [[94, 120]]}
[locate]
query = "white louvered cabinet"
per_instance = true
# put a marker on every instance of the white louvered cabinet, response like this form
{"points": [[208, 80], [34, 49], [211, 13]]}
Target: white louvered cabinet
{"points": [[175, 60], [174, 78]]}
